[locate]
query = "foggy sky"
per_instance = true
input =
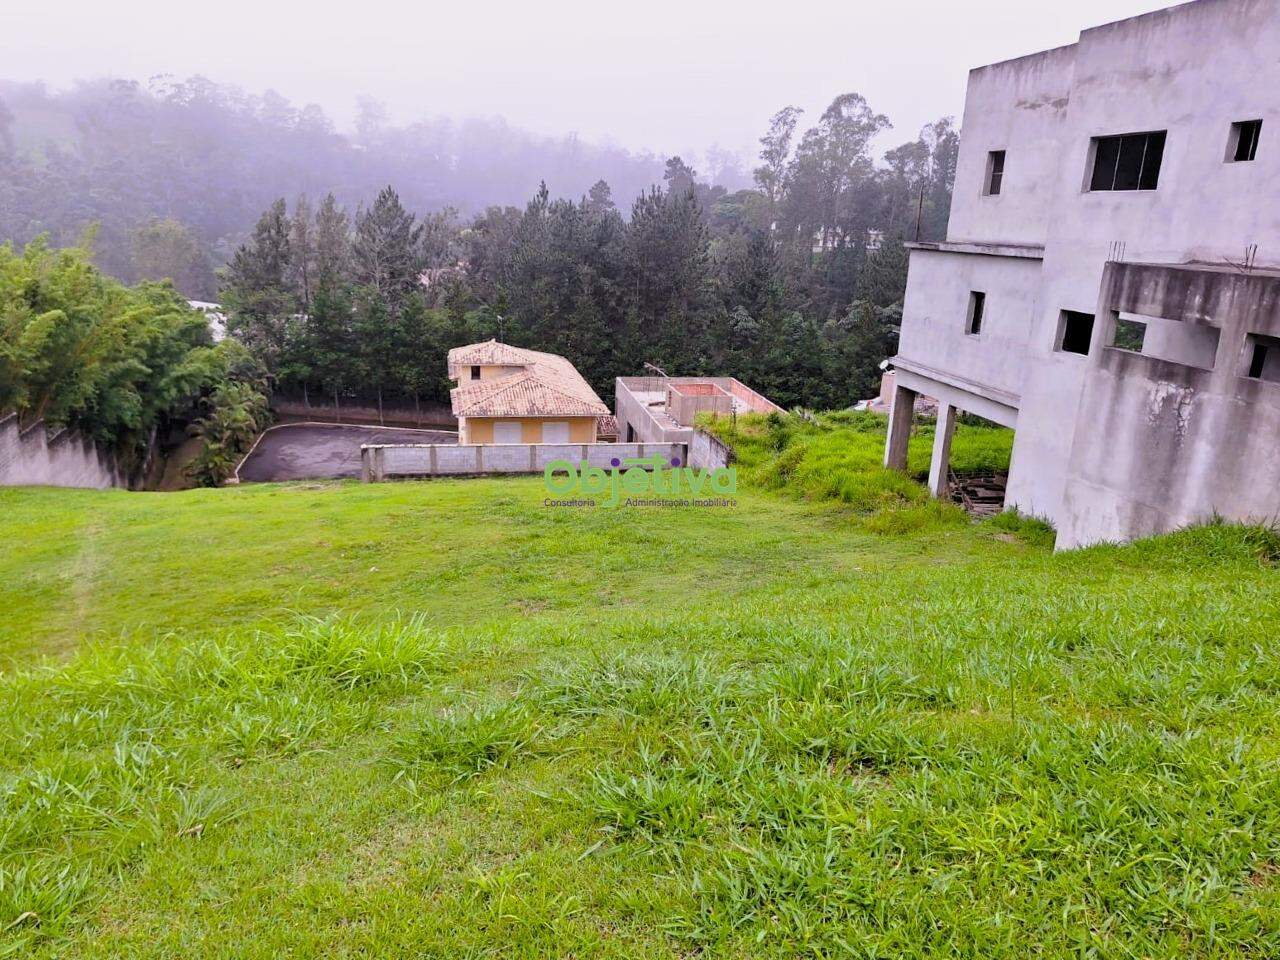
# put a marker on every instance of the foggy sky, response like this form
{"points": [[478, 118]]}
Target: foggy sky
{"points": [[671, 77]]}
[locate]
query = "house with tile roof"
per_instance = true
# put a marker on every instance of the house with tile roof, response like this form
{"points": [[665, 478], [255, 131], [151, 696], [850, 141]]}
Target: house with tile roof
{"points": [[507, 394]]}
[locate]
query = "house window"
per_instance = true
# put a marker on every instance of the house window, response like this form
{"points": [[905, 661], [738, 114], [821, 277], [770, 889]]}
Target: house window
{"points": [[1075, 331], [995, 172], [1129, 162], [475, 373], [977, 306], [1262, 356], [1243, 145], [555, 432], [508, 431]]}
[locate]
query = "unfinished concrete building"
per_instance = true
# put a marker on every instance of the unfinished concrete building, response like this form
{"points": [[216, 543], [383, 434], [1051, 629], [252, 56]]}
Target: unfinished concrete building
{"points": [[663, 409], [1109, 284]]}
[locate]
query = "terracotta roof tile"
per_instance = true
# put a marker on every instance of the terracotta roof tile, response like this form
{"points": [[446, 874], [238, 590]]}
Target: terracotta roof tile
{"points": [[608, 427], [547, 386]]}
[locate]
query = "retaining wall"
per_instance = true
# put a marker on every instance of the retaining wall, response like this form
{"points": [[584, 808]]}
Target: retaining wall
{"points": [[380, 461], [33, 457]]}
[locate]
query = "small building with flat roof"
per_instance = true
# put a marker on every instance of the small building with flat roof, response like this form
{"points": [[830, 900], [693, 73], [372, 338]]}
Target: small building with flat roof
{"points": [[663, 409]]}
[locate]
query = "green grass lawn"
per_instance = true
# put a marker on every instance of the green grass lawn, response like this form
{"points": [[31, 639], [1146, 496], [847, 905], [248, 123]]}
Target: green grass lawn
{"points": [[442, 720]]}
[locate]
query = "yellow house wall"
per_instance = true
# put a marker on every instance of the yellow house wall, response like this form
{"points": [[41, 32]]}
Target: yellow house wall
{"points": [[487, 372], [480, 429]]}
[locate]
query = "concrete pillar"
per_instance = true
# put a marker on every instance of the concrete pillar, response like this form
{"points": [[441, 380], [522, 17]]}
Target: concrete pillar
{"points": [[940, 463], [900, 414], [366, 469]]}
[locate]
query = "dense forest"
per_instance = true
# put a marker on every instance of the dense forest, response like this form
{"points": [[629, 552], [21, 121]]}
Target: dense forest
{"points": [[354, 288], [794, 286]]}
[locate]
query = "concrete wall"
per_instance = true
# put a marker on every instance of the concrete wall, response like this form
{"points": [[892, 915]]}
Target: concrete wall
{"points": [[644, 426], [1160, 444], [685, 403], [1192, 71], [656, 424], [428, 460], [708, 453], [32, 457], [756, 401], [936, 310], [1020, 107], [480, 429]]}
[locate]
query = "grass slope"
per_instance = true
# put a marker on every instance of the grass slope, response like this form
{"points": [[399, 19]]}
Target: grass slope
{"points": [[439, 719], [838, 456]]}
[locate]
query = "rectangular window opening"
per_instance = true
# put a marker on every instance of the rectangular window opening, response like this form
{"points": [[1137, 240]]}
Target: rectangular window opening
{"points": [[1075, 332], [1243, 145], [1262, 356], [1176, 341], [475, 373], [977, 306], [995, 172], [1129, 335], [1128, 162]]}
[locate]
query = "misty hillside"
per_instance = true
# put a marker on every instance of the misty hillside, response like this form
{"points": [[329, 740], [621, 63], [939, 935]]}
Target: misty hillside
{"points": [[343, 288], [212, 157]]}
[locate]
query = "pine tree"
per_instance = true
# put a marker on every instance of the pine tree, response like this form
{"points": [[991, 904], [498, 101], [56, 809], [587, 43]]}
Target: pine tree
{"points": [[599, 199], [385, 249], [256, 289], [333, 245], [302, 253]]}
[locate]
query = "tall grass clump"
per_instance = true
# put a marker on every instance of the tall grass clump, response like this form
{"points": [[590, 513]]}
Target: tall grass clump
{"points": [[839, 457], [126, 750], [1029, 529], [466, 743]]}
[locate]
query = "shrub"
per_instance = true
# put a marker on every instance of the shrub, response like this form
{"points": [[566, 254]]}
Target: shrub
{"points": [[839, 456], [237, 414]]}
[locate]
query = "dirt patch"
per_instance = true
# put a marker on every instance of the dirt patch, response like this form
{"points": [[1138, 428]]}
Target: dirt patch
{"points": [[176, 462]]}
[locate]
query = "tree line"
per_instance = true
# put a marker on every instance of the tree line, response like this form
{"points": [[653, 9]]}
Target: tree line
{"points": [[121, 365], [794, 285]]}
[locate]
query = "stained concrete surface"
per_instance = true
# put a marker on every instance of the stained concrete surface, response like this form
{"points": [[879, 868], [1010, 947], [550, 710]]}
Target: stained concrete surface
{"points": [[1115, 445], [320, 451]]}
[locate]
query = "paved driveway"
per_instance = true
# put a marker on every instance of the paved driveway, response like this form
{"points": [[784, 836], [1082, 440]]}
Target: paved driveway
{"points": [[320, 451]]}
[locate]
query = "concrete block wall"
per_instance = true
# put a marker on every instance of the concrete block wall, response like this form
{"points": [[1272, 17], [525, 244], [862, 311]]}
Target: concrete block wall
{"points": [[707, 452], [441, 460], [634, 414], [31, 457], [684, 405]]}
